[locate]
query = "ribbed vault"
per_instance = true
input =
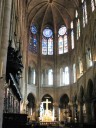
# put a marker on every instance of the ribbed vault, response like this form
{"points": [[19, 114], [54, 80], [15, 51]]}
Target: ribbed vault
{"points": [[52, 12]]}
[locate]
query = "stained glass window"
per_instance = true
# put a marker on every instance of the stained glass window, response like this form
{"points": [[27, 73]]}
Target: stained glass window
{"points": [[60, 45], [92, 5], [62, 40], [85, 17], [47, 32], [78, 29], [44, 46], [77, 25], [72, 36], [47, 42], [50, 46], [33, 29], [33, 39], [65, 44], [62, 30]]}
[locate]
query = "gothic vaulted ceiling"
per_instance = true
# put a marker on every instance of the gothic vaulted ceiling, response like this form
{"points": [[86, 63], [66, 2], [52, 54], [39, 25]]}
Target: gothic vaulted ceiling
{"points": [[52, 12]]}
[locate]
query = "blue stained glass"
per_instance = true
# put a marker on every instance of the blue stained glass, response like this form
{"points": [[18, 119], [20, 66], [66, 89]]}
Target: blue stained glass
{"points": [[62, 31], [47, 32], [50, 46], [33, 29], [35, 41], [44, 46], [60, 45]]}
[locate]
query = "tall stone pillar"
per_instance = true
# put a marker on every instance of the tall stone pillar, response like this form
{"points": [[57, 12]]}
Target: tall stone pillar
{"points": [[88, 112], [3, 52], [5, 36], [37, 111], [81, 113], [56, 111]]}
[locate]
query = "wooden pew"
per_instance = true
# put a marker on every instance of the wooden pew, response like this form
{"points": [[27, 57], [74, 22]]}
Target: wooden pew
{"points": [[12, 120]]}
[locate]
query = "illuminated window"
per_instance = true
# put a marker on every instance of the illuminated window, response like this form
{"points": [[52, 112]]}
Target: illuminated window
{"points": [[31, 76], [76, 14], [88, 58], [92, 5], [74, 73], [72, 36], [47, 42], [33, 39], [64, 76], [78, 29], [77, 25], [62, 40], [85, 17], [50, 77], [47, 77]]}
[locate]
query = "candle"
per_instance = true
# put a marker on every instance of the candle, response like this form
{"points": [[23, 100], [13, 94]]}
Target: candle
{"points": [[1, 69]]}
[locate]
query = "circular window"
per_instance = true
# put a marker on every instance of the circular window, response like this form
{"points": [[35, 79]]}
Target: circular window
{"points": [[62, 30], [47, 32], [33, 29]]}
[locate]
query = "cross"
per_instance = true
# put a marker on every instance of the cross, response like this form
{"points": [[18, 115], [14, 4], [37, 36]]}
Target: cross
{"points": [[47, 103]]}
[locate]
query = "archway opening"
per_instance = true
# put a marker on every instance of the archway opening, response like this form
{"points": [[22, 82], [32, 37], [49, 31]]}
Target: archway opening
{"points": [[65, 111], [46, 109], [31, 104]]}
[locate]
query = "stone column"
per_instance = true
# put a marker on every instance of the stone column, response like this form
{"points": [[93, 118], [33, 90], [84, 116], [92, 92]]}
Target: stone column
{"points": [[81, 113], [5, 36], [37, 111], [1, 100], [56, 111], [73, 112], [3, 52], [88, 112]]}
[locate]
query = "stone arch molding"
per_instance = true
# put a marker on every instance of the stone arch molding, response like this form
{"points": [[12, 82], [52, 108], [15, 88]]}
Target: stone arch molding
{"points": [[45, 95], [31, 100], [64, 100]]}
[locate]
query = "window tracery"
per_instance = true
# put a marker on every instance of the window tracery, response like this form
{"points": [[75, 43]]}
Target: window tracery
{"points": [[62, 40]]}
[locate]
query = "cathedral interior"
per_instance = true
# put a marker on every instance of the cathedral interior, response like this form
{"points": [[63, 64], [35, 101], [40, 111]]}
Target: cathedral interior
{"points": [[48, 63]]}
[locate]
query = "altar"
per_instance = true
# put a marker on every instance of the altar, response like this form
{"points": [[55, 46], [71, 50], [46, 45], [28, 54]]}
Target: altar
{"points": [[46, 115]]}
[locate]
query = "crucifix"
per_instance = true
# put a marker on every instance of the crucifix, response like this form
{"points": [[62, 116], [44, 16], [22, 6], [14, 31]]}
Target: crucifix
{"points": [[47, 103]]}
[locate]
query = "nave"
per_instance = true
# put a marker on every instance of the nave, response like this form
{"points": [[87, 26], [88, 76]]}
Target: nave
{"points": [[47, 63], [21, 121]]}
